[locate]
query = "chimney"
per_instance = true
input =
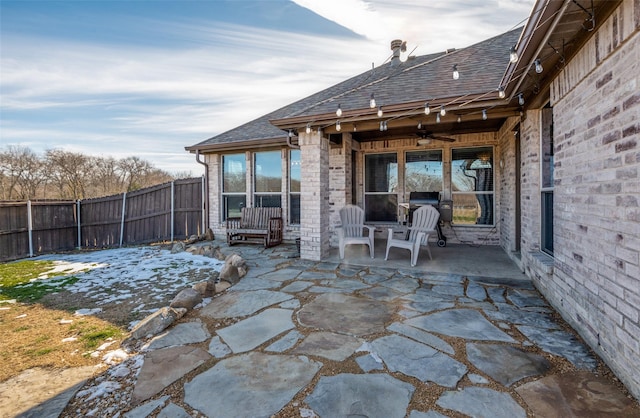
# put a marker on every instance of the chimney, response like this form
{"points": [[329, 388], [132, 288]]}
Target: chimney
{"points": [[397, 46]]}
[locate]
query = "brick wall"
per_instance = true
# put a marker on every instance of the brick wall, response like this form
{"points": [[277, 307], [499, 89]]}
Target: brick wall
{"points": [[595, 279]]}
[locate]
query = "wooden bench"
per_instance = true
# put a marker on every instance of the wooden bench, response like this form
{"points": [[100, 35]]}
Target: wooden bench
{"points": [[264, 224]]}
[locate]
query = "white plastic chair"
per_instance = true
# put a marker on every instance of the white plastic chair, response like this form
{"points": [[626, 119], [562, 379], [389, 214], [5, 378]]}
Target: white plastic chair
{"points": [[352, 229], [424, 222]]}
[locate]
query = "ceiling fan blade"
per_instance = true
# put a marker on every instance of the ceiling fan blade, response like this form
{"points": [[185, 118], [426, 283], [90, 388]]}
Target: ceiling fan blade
{"points": [[442, 138]]}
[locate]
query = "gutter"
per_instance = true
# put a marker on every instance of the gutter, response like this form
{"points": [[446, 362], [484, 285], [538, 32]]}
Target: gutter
{"points": [[206, 189]]}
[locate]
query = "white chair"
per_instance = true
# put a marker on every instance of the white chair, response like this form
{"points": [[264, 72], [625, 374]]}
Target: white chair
{"points": [[424, 222], [352, 229]]}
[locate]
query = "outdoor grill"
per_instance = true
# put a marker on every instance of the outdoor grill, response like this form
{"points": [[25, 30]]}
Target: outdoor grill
{"points": [[417, 199]]}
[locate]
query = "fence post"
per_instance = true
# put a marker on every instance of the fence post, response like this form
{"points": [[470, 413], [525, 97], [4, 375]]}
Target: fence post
{"points": [[79, 224], [124, 207], [173, 198], [30, 227]]}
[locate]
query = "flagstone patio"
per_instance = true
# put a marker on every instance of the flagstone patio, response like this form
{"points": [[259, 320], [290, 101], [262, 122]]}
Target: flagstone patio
{"points": [[357, 337]]}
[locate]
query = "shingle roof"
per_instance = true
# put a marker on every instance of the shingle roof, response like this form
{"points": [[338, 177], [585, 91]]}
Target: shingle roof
{"points": [[422, 78]]}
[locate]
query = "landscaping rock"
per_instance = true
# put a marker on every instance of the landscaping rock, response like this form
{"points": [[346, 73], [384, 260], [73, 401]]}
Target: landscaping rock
{"points": [[235, 260], [202, 289], [156, 322], [229, 273], [178, 247], [187, 298], [208, 236], [222, 286]]}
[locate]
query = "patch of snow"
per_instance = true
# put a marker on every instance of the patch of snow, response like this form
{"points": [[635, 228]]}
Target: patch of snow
{"points": [[24, 315], [83, 312], [102, 389], [65, 321], [115, 356], [69, 339]]}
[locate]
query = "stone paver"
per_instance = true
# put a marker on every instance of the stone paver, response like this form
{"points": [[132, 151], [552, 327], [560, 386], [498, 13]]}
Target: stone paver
{"points": [[184, 333], [329, 345], [249, 385], [463, 323], [355, 395], [482, 402], [236, 304], [505, 363], [251, 332]]}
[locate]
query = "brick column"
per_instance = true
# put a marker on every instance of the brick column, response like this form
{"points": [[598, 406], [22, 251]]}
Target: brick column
{"points": [[339, 182], [314, 196]]}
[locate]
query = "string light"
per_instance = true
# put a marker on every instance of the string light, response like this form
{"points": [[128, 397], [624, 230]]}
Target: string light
{"points": [[354, 128], [520, 99], [459, 119], [339, 111], [338, 127], [501, 93], [380, 112], [456, 74], [513, 55], [372, 102], [381, 126], [437, 117], [419, 125], [484, 114], [427, 110], [308, 130], [538, 66], [443, 111]]}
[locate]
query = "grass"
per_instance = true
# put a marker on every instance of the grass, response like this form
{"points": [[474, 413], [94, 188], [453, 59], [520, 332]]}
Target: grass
{"points": [[28, 280]]}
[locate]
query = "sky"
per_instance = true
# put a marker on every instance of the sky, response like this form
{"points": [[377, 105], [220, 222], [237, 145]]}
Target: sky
{"points": [[147, 78]]}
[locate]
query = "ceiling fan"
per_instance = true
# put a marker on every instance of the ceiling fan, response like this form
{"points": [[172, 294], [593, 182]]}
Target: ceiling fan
{"points": [[426, 137]]}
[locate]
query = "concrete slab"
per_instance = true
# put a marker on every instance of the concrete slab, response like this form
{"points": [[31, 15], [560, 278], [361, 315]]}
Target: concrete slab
{"points": [[506, 364], [238, 304], [360, 395], [256, 330], [345, 314], [328, 345], [576, 395], [463, 323], [412, 358], [249, 385], [165, 366], [181, 334], [481, 402]]}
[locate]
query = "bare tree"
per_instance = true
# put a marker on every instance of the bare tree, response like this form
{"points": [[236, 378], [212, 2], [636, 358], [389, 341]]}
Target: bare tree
{"points": [[106, 178], [70, 170], [22, 173]]}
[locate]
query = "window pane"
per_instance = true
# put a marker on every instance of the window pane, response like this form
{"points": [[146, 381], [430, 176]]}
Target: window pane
{"points": [[234, 173], [472, 209], [381, 207], [294, 209], [381, 173], [268, 201], [547, 147], [268, 171], [472, 169], [295, 171], [547, 222], [423, 171], [233, 206]]}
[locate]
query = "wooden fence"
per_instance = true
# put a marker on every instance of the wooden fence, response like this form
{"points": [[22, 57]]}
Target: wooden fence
{"points": [[164, 212]]}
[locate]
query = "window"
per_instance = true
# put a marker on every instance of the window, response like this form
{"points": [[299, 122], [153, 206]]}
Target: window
{"points": [[546, 172], [381, 183], [472, 186], [294, 186], [268, 179], [423, 171], [234, 184]]}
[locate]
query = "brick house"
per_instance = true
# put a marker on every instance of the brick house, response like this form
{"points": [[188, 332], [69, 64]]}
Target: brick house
{"points": [[538, 155]]}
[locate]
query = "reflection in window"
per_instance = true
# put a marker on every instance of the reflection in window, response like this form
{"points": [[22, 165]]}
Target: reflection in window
{"points": [[295, 175], [472, 186], [381, 183], [423, 171], [234, 184], [546, 169], [268, 179]]}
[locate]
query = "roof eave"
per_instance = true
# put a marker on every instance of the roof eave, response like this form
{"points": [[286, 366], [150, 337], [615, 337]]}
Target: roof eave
{"points": [[239, 145]]}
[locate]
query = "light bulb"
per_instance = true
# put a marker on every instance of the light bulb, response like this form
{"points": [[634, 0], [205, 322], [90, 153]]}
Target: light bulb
{"points": [[538, 65], [520, 99], [513, 55], [372, 101], [484, 114], [290, 133], [456, 74], [419, 125], [380, 112], [381, 126], [427, 110], [437, 117], [308, 130], [385, 125], [459, 119], [338, 127], [443, 111], [339, 111], [354, 128], [501, 93]]}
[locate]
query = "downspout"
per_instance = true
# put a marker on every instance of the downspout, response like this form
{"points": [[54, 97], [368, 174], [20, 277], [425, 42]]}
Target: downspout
{"points": [[291, 145], [206, 193]]}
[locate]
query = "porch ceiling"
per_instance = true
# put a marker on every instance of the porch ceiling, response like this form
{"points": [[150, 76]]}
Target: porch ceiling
{"points": [[556, 30]]}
